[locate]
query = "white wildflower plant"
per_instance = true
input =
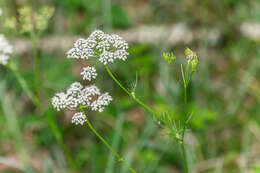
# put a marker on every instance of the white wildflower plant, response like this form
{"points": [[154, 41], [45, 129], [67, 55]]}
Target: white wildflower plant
{"points": [[105, 47], [5, 50]]}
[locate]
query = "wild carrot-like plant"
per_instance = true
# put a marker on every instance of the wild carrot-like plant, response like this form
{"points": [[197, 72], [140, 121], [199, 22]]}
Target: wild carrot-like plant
{"points": [[80, 98], [108, 48]]}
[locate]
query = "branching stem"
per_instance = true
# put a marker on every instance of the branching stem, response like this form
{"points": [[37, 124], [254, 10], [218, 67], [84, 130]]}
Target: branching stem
{"points": [[134, 97]]}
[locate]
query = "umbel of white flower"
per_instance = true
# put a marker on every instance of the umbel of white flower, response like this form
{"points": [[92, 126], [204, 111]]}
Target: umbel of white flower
{"points": [[5, 50], [77, 95], [78, 118], [103, 46], [89, 73]]}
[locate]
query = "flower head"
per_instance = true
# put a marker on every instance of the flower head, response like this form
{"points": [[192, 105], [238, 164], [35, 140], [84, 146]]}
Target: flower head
{"points": [[78, 118], [103, 100], [59, 101], [89, 73], [103, 46], [32, 21], [5, 50], [78, 96]]}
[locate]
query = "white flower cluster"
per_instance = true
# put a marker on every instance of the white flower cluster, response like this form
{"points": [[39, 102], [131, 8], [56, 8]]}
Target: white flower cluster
{"points": [[5, 50], [105, 47], [77, 95], [78, 118], [89, 73]]}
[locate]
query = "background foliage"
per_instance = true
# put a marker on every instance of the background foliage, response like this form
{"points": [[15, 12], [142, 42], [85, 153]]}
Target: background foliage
{"points": [[224, 94]]}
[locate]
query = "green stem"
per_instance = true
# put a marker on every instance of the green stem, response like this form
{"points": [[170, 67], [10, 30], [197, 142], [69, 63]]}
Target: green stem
{"points": [[133, 96], [186, 164], [185, 95], [105, 142], [155, 113], [24, 85], [35, 100], [34, 39]]}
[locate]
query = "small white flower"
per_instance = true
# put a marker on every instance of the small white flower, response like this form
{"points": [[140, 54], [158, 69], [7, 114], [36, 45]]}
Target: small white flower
{"points": [[5, 50], [103, 46], [3, 59], [60, 101], [74, 89], [83, 49], [78, 118], [103, 100], [77, 95], [1, 12], [106, 57], [89, 73], [87, 95]]}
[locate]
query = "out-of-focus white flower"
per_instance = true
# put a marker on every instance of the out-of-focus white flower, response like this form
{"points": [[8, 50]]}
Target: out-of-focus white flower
{"points": [[251, 30], [1, 12], [103, 46], [77, 95], [89, 73], [5, 50], [78, 118]]}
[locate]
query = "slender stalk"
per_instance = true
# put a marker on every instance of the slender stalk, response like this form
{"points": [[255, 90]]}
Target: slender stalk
{"points": [[133, 96], [184, 156], [34, 39], [24, 85], [181, 142], [54, 128], [186, 80], [120, 159], [185, 95]]}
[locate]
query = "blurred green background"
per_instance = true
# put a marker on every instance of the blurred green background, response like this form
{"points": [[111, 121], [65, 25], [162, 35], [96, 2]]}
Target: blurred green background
{"points": [[224, 132]]}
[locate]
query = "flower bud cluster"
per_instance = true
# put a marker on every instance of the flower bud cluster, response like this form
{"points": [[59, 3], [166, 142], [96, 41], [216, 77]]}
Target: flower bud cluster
{"points": [[105, 47], [191, 58], [30, 20]]}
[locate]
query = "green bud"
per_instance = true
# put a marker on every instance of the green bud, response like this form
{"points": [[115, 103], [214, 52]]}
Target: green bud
{"points": [[26, 19], [10, 23], [169, 57], [42, 18], [191, 58]]}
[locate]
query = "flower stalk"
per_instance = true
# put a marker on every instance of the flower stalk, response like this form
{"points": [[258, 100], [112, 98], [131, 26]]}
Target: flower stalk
{"points": [[120, 159], [133, 96]]}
